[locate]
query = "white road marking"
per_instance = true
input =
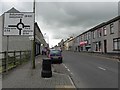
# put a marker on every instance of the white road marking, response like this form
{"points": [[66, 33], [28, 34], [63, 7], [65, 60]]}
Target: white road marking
{"points": [[72, 82], [102, 68], [68, 70], [65, 66], [47, 78], [71, 73]]}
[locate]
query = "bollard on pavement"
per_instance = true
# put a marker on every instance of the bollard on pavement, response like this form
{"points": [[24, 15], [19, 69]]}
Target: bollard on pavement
{"points": [[46, 68]]}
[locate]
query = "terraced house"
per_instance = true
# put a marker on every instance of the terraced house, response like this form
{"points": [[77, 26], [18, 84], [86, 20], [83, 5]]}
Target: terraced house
{"points": [[69, 44], [103, 38], [85, 41], [106, 36]]}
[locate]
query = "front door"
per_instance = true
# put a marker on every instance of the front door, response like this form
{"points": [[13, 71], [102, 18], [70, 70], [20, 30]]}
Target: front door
{"points": [[105, 46]]}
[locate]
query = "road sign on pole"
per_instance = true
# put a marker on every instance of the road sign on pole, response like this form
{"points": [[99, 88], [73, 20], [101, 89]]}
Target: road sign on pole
{"points": [[19, 23]]}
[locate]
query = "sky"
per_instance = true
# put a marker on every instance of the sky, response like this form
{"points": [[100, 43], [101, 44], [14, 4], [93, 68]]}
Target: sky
{"points": [[60, 20]]}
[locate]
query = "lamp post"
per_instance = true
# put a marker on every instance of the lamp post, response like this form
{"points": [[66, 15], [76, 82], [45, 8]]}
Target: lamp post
{"points": [[46, 37], [32, 60]]}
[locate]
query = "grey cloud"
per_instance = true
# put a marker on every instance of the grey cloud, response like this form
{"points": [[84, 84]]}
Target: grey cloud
{"points": [[75, 13], [64, 19], [74, 18], [21, 6]]}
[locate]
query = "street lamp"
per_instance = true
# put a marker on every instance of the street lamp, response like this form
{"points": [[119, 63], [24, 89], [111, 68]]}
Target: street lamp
{"points": [[32, 41], [46, 37]]}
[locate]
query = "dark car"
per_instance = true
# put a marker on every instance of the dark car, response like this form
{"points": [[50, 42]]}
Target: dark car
{"points": [[56, 56]]}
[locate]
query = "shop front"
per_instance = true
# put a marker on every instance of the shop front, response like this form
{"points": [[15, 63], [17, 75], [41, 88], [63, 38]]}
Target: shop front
{"points": [[83, 46]]}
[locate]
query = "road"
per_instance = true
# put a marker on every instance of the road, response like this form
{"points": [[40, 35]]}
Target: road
{"points": [[91, 71]]}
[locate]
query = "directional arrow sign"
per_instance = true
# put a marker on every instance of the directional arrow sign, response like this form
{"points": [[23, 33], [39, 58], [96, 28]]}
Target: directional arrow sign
{"points": [[19, 24]]}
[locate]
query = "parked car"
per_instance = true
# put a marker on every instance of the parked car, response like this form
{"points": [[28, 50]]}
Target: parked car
{"points": [[56, 56]]}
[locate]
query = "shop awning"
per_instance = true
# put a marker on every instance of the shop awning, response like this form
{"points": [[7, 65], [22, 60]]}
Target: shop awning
{"points": [[83, 43]]}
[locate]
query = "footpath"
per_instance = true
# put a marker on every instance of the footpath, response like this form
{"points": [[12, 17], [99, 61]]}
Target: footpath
{"points": [[110, 56], [25, 77]]}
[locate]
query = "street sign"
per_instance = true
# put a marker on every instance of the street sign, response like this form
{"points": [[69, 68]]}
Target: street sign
{"points": [[18, 24]]}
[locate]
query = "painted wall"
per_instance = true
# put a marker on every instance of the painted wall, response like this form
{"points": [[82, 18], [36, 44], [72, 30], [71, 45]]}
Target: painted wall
{"points": [[109, 37]]}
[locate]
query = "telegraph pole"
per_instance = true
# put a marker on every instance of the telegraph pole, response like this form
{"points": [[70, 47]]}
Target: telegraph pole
{"points": [[7, 54], [33, 49]]}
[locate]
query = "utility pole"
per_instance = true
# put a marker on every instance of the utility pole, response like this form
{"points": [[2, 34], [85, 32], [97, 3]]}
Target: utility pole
{"points": [[33, 49], [7, 54]]}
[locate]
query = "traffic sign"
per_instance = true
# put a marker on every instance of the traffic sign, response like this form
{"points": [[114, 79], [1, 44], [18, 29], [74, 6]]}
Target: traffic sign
{"points": [[18, 24]]}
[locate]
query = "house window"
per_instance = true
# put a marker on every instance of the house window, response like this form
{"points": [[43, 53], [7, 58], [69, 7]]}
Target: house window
{"points": [[77, 39], [98, 46], [89, 35], [116, 44], [99, 32], [81, 38], [84, 36], [119, 44], [93, 34], [119, 26], [111, 28], [104, 31]]}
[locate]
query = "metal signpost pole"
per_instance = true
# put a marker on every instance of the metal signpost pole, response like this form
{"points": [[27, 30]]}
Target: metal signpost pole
{"points": [[19, 24]]}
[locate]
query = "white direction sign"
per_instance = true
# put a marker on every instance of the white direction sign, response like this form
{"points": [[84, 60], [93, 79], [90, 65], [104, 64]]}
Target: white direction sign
{"points": [[18, 24]]}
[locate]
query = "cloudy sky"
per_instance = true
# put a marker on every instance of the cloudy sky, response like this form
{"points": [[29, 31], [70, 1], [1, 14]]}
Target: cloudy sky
{"points": [[60, 20]]}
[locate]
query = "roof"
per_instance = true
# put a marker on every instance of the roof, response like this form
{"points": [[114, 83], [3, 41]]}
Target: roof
{"points": [[38, 27], [13, 10], [105, 23], [100, 25], [113, 20]]}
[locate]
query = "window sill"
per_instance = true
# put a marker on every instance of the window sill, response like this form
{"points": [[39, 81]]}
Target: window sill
{"points": [[104, 35], [116, 49], [111, 33]]}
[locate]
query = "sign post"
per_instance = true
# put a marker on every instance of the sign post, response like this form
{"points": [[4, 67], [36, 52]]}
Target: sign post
{"points": [[18, 24]]}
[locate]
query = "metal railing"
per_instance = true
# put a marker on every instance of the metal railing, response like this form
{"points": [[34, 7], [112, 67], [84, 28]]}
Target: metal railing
{"points": [[15, 58]]}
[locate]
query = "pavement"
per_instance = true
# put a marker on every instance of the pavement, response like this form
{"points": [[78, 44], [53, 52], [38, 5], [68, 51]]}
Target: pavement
{"points": [[25, 77], [112, 56]]}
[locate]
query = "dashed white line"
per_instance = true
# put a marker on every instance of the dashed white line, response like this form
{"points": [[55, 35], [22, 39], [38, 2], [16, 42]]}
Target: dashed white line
{"points": [[71, 73], [68, 70], [102, 68], [65, 66]]}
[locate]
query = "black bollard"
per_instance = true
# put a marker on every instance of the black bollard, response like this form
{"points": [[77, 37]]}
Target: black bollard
{"points": [[46, 68]]}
